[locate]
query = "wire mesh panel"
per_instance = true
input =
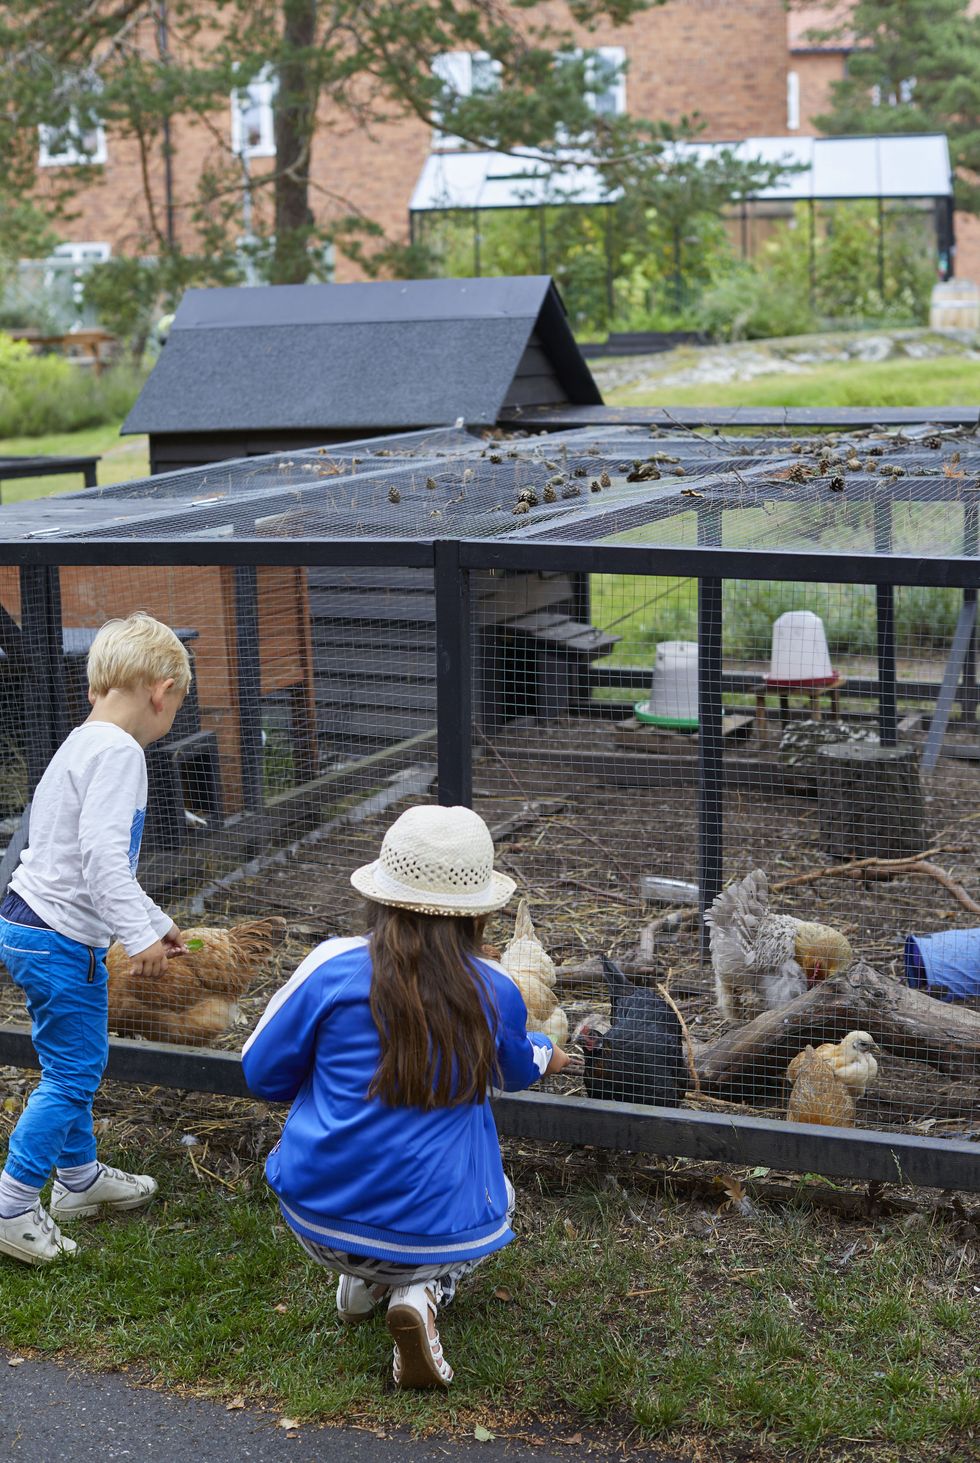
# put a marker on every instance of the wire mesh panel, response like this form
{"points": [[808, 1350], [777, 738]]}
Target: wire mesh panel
{"points": [[715, 697]]}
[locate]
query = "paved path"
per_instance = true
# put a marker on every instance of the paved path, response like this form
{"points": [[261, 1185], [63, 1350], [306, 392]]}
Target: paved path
{"points": [[60, 1414]]}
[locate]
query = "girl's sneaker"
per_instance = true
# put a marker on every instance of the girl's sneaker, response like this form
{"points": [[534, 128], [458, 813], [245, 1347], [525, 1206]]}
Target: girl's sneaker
{"points": [[113, 1189], [357, 1301], [34, 1238]]}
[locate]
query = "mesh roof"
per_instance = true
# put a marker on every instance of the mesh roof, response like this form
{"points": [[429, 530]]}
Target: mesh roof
{"points": [[916, 489]]}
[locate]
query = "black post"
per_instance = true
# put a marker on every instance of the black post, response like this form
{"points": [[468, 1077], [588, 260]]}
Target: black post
{"points": [[969, 691], [885, 602], [249, 683], [881, 248], [454, 676], [710, 763], [813, 250], [46, 719]]}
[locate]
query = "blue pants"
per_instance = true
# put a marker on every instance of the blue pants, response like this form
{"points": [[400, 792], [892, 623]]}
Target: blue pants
{"points": [[66, 986]]}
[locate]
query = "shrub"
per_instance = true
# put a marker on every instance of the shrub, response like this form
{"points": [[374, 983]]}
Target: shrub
{"points": [[752, 305], [42, 394]]}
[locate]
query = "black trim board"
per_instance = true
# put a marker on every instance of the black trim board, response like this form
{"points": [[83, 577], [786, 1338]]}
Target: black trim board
{"points": [[721, 1138]]}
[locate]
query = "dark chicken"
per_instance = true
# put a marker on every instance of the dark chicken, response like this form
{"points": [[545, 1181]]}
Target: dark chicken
{"points": [[640, 1058]]}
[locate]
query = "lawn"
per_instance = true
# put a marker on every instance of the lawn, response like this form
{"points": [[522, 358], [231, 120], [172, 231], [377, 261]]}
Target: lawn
{"points": [[121, 458], [661, 1305], [946, 381]]}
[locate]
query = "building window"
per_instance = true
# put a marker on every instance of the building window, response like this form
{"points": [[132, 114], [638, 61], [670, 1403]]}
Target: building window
{"points": [[465, 74], [89, 253], [901, 98], [72, 144], [792, 100], [606, 81], [253, 132]]}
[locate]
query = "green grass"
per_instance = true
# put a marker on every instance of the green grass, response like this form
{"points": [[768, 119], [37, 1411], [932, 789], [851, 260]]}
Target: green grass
{"points": [[621, 1309], [122, 458], [947, 381]]}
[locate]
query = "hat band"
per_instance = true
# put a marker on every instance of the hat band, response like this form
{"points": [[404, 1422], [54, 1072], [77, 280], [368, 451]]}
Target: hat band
{"points": [[395, 889]]}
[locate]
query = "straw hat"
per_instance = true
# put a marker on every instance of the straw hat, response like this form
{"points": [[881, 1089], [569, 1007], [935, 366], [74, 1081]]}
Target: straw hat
{"points": [[436, 861]]}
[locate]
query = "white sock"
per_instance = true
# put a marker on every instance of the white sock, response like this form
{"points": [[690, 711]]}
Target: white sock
{"points": [[15, 1197], [82, 1177]]}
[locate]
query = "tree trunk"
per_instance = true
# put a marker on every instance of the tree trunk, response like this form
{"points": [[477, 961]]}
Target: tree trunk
{"points": [[749, 1064], [295, 119], [869, 801]]}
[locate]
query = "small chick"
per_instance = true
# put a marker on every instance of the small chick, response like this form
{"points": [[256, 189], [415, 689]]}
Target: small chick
{"points": [[818, 1095], [532, 970], [850, 1060]]}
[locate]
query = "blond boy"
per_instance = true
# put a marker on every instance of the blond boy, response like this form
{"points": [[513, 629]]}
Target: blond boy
{"points": [[74, 889]]}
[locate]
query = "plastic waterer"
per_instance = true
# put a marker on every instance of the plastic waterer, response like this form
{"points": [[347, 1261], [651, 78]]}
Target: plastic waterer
{"points": [[673, 700], [800, 656]]}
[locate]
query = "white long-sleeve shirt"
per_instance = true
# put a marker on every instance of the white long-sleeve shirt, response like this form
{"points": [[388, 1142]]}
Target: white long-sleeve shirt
{"points": [[78, 871]]}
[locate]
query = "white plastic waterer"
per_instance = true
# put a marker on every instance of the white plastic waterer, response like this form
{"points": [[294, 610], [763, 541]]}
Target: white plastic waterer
{"points": [[674, 693], [800, 656]]}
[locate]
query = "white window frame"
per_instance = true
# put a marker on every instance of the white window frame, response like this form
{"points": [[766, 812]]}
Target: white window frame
{"points": [[792, 101], [260, 91], [88, 252], [455, 70], [610, 56], [71, 155]]}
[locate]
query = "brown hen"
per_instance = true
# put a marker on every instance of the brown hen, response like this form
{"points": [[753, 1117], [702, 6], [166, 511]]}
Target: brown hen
{"points": [[818, 1095], [195, 1000]]}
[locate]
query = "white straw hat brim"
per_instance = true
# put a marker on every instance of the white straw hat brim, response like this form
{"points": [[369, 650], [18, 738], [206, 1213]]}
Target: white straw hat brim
{"points": [[374, 882]]}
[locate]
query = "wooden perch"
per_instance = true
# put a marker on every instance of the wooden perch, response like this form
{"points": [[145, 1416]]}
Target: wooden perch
{"points": [[748, 1064]]}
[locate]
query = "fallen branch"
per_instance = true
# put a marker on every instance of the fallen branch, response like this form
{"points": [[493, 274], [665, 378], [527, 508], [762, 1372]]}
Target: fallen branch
{"points": [[688, 1043]]}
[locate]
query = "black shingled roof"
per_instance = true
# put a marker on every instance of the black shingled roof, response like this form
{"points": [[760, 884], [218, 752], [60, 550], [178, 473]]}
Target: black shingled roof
{"points": [[391, 354]]}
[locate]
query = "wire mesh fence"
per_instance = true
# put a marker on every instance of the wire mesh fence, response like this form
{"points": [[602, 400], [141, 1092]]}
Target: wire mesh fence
{"points": [[716, 698]]}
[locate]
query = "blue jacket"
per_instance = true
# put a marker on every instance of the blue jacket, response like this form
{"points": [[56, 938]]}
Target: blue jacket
{"points": [[354, 1174]]}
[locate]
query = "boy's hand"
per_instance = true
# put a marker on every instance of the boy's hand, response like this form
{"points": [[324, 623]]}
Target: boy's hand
{"points": [[151, 962], [559, 1061], [174, 941]]}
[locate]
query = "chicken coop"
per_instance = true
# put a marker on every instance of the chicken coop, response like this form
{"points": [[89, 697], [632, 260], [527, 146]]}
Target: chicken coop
{"points": [[734, 776]]}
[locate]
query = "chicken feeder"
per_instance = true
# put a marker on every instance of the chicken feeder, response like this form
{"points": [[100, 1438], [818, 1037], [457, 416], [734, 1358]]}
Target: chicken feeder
{"points": [[800, 657], [673, 701]]}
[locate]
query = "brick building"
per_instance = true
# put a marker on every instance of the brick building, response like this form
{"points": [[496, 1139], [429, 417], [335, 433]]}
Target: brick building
{"points": [[746, 67]]}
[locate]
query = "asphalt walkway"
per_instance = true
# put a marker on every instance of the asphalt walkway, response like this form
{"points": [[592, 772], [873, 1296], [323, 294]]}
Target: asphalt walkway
{"points": [[50, 1413]]}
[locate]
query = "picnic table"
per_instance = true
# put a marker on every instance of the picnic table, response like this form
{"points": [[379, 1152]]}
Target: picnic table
{"points": [[29, 467], [89, 345]]}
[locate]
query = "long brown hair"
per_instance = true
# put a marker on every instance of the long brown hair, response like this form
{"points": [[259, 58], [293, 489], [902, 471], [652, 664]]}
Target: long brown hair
{"points": [[432, 1008]]}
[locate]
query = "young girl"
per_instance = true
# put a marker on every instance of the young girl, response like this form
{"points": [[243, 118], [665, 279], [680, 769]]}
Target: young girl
{"points": [[388, 1170]]}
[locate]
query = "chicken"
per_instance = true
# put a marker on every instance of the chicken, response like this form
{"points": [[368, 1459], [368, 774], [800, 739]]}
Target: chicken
{"points": [[818, 1095], [640, 1057], [850, 1060], [195, 1000], [533, 972], [764, 960]]}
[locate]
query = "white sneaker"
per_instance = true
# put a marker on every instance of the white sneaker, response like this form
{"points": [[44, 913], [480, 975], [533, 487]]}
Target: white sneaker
{"points": [[356, 1300], [113, 1189], [34, 1237]]}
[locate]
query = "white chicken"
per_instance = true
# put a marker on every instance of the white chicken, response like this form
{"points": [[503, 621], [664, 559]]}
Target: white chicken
{"points": [[850, 1060], [532, 970], [763, 960]]}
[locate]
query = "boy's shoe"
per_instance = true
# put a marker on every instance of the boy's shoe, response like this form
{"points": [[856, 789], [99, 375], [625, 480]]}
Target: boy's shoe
{"points": [[34, 1237], [113, 1189], [356, 1300]]}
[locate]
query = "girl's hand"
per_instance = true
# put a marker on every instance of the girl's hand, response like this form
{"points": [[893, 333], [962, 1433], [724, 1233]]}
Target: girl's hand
{"points": [[559, 1061]]}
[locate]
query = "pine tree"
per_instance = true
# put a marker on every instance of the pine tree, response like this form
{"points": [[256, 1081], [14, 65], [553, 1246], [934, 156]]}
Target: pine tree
{"points": [[914, 67]]}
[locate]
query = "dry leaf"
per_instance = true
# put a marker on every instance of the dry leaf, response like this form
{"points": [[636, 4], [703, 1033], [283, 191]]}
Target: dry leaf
{"points": [[282, 1308], [483, 1434], [288, 1424], [575, 1441], [235, 1405], [16, 1361], [502, 1294], [570, 1229]]}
